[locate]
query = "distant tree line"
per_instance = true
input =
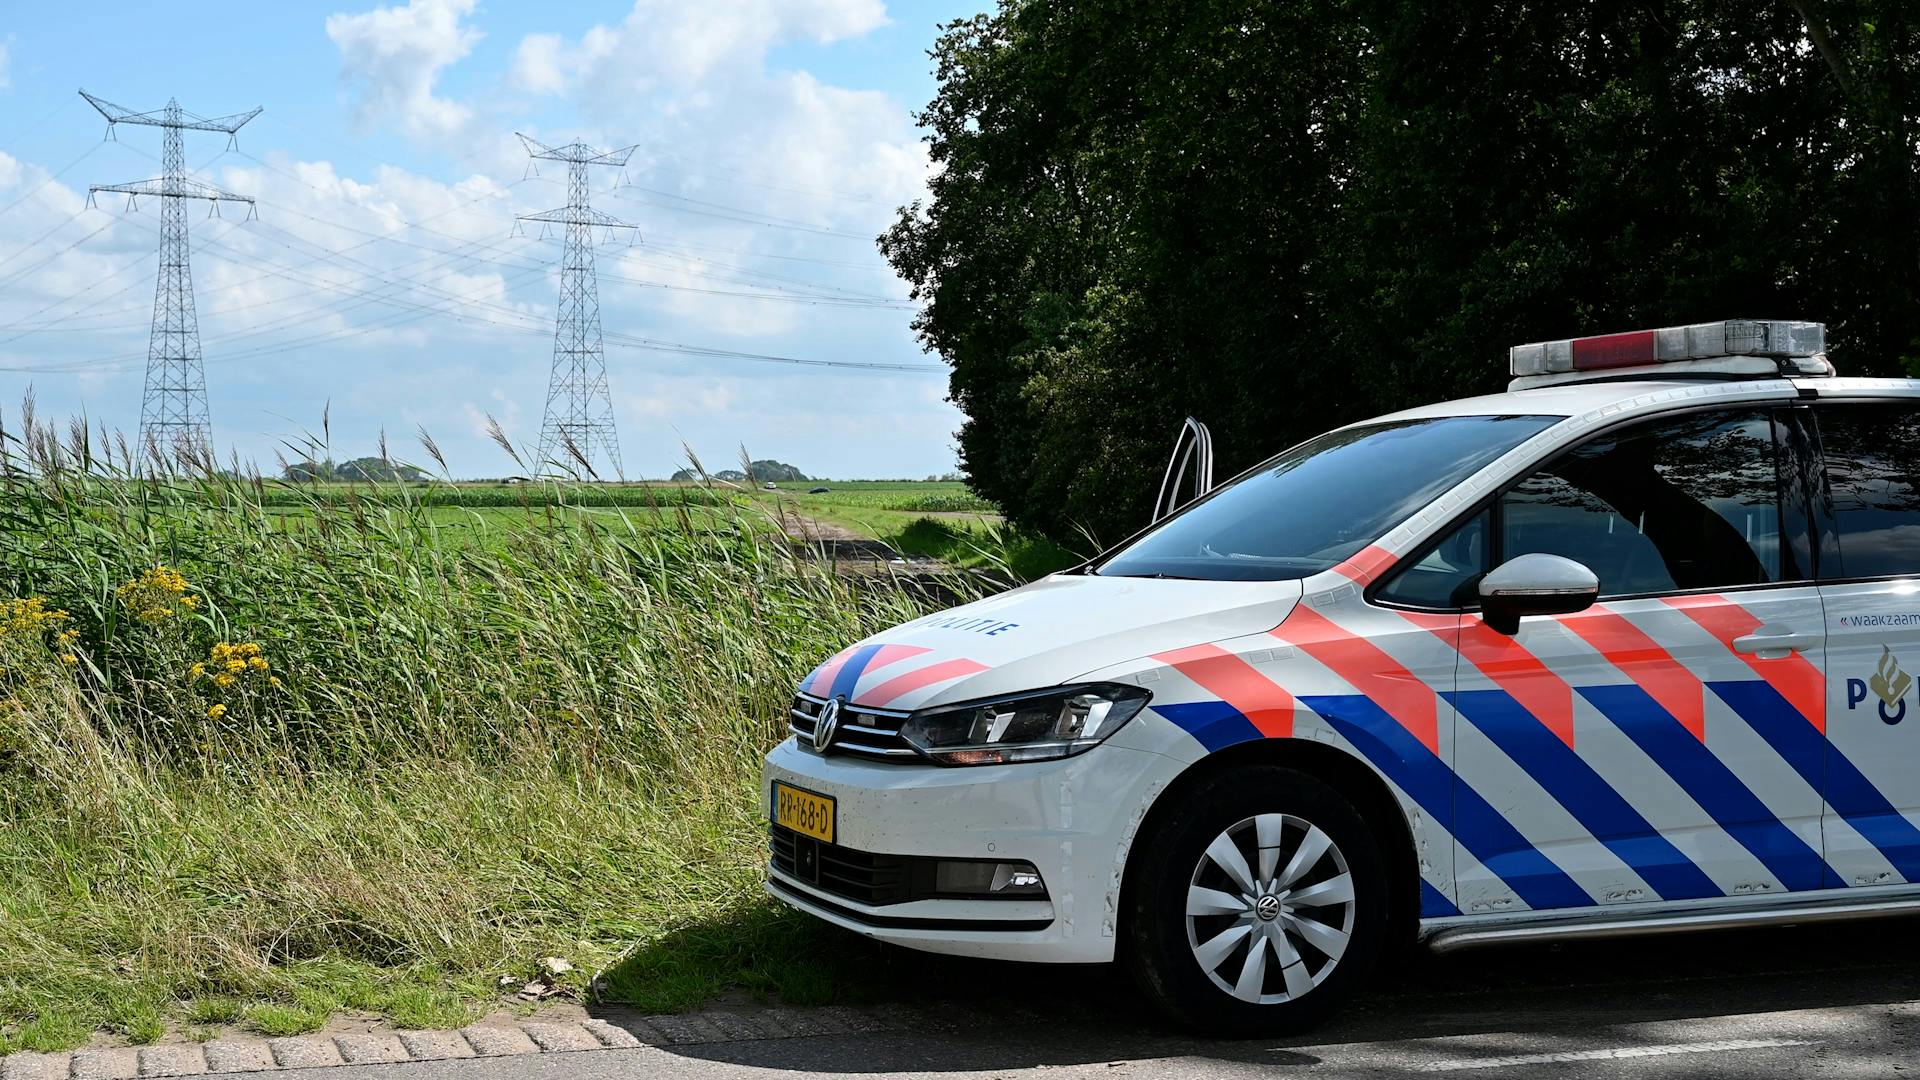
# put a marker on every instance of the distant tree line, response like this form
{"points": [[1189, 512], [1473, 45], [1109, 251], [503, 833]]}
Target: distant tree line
{"points": [[757, 472], [369, 469], [1282, 216]]}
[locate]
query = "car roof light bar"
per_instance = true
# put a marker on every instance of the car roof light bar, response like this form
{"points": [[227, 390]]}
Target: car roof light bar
{"points": [[1778, 339]]}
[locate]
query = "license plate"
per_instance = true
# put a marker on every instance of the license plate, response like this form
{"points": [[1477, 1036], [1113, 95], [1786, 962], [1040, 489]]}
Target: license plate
{"points": [[803, 811]]}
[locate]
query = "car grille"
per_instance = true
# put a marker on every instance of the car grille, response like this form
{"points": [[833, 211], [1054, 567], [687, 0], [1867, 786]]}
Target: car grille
{"points": [[869, 732], [856, 875]]}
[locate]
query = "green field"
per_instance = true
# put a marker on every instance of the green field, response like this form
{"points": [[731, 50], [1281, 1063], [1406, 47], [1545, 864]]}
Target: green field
{"points": [[458, 738], [938, 519]]}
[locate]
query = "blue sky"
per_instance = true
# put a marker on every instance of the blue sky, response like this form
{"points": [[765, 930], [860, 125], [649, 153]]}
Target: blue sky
{"points": [[382, 284]]}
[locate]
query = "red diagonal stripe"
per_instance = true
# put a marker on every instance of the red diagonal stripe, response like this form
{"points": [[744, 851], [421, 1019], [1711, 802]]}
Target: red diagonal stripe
{"points": [[822, 676], [1797, 678], [889, 654], [914, 680], [1235, 682], [1514, 668], [1367, 564], [1371, 671], [1650, 667]]}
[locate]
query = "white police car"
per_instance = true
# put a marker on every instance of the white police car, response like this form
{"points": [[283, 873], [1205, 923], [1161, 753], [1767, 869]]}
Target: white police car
{"points": [[1623, 650]]}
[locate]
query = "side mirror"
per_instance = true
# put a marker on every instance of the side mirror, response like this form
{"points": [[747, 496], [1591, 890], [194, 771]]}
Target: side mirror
{"points": [[1536, 584]]}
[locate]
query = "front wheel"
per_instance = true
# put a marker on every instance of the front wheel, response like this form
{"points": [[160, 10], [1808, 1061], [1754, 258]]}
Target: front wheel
{"points": [[1259, 905]]}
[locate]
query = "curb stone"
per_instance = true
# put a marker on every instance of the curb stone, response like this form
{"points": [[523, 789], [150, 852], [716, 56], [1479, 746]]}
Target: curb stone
{"points": [[228, 1056]]}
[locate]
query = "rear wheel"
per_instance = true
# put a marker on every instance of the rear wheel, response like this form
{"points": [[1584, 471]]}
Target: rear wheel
{"points": [[1259, 903]]}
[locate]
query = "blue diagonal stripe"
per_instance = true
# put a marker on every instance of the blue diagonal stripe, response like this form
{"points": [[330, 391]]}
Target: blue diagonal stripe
{"points": [[1434, 903], [849, 674], [1474, 822], [1708, 781], [1585, 794], [1216, 724], [1828, 771]]}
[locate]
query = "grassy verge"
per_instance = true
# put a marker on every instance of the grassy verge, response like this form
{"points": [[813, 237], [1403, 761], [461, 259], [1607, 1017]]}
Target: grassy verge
{"points": [[982, 545], [258, 774]]}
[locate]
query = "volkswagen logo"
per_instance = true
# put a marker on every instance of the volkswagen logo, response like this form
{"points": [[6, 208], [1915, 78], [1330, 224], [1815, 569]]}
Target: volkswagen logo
{"points": [[826, 725], [1267, 908]]}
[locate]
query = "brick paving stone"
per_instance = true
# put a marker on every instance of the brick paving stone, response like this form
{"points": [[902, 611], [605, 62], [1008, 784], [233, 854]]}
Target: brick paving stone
{"points": [[370, 1049], [610, 1034], [560, 1038], [675, 1028], [490, 1041], [435, 1045], [778, 1023], [838, 1019], [305, 1051], [28, 1065], [735, 1026], [238, 1055], [705, 1030], [117, 1063], [178, 1060], [648, 1032]]}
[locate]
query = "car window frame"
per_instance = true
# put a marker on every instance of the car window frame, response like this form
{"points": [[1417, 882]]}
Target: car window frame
{"points": [[1826, 522], [1090, 566], [1796, 504]]}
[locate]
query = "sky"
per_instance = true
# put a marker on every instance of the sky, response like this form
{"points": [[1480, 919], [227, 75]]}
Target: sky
{"points": [[383, 288]]}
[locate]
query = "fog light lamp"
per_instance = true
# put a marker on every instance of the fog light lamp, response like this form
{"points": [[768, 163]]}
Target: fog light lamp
{"points": [[971, 878]]}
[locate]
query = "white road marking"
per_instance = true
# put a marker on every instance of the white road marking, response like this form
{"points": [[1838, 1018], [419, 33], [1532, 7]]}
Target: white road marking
{"points": [[1612, 1053]]}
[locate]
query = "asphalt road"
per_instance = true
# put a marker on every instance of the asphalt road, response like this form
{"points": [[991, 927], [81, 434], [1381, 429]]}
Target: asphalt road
{"points": [[1828, 1001]]}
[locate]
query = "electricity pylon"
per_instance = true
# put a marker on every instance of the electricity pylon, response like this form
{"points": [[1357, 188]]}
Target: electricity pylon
{"points": [[173, 410], [579, 416]]}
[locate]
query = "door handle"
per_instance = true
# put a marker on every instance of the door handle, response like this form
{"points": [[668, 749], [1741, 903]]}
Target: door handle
{"points": [[1775, 642]]}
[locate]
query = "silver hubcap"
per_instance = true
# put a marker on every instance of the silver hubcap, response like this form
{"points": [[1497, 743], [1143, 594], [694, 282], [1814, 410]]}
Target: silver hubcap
{"points": [[1270, 908]]}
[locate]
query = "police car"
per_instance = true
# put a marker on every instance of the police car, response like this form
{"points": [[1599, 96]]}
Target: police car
{"points": [[1626, 649]]}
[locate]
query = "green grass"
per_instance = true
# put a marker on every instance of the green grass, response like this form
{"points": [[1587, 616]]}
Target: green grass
{"points": [[510, 496], [907, 496], [1011, 555], [480, 752]]}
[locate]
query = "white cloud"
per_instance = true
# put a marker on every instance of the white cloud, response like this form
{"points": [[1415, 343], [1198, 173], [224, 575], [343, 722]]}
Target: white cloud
{"points": [[391, 57], [538, 64], [679, 43]]}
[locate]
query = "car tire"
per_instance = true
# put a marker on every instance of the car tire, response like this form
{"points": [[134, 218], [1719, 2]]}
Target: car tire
{"points": [[1194, 913]]}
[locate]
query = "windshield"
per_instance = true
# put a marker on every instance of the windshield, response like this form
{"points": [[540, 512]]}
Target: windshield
{"points": [[1313, 506]]}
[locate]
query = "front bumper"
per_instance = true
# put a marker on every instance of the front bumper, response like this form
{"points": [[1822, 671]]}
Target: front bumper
{"points": [[1072, 819]]}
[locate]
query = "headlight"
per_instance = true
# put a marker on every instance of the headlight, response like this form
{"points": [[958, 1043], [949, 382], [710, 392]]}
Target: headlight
{"points": [[1038, 726]]}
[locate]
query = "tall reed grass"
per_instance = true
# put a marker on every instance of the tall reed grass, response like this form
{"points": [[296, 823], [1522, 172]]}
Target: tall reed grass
{"points": [[435, 762]]}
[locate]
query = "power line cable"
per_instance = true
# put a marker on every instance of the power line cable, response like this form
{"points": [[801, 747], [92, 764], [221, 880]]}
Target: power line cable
{"points": [[51, 177]]}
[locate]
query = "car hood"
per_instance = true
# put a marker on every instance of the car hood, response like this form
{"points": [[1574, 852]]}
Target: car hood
{"points": [[1045, 634]]}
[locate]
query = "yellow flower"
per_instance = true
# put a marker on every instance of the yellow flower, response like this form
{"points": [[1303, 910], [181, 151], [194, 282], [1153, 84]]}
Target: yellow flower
{"points": [[236, 666], [197, 670], [273, 681], [216, 711], [69, 659], [223, 680], [156, 595], [257, 663]]}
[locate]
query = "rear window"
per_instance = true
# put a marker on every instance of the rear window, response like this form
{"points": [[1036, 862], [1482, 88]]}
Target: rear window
{"points": [[1315, 505], [1873, 477]]}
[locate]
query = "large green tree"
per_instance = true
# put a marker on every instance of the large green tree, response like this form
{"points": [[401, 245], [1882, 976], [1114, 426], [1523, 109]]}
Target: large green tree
{"points": [[1281, 216]]}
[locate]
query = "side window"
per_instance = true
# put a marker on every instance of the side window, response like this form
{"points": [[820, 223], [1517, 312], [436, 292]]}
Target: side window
{"points": [[1687, 503], [1873, 480], [1446, 575]]}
